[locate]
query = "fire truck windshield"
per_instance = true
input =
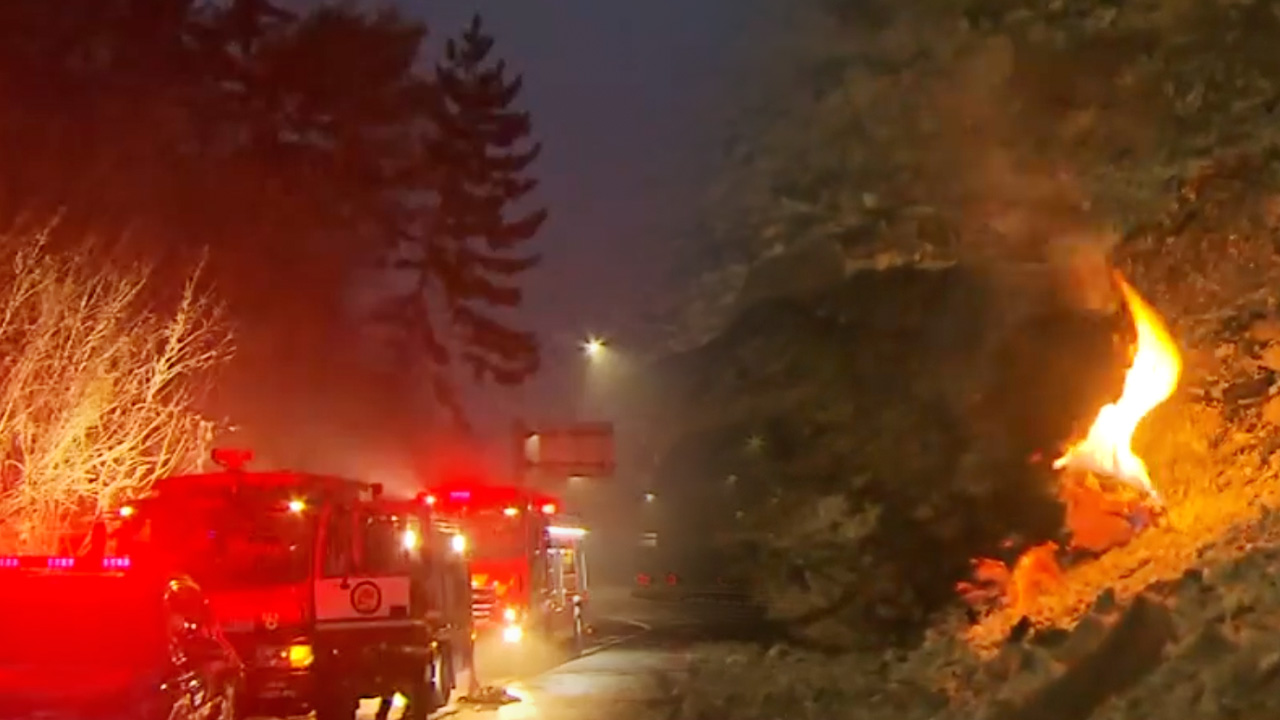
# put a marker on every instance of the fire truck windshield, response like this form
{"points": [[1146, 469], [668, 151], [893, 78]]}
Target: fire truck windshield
{"points": [[229, 546], [491, 534], [49, 620]]}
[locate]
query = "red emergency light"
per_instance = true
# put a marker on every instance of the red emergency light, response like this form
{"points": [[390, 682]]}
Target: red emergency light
{"points": [[511, 500], [232, 458], [18, 562]]}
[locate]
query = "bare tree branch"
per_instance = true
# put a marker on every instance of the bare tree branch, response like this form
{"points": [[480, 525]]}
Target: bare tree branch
{"points": [[100, 383]]}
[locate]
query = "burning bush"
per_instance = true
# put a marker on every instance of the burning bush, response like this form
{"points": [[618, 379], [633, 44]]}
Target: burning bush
{"points": [[99, 379]]}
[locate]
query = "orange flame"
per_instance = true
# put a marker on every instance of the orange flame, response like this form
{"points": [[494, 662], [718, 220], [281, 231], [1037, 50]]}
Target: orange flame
{"points": [[1150, 380]]}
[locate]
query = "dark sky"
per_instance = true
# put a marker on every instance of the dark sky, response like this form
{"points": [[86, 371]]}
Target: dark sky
{"points": [[631, 100]]}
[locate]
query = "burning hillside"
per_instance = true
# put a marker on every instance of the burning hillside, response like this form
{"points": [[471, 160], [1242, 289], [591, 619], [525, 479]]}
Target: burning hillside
{"points": [[1125, 530], [1162, 577]]}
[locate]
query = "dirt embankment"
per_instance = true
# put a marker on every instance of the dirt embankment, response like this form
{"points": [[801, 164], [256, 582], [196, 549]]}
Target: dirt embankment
{"points": [[1184, 620]]}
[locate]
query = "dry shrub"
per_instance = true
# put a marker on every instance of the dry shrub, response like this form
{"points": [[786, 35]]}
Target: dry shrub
{"points": [[100, 376]]}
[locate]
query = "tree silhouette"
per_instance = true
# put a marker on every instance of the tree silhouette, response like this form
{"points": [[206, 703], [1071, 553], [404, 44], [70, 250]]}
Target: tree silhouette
{"points": [[298, 147], [471, 248]]}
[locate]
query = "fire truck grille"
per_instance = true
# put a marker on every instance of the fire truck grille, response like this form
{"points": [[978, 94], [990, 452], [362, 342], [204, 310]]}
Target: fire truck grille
{"points": [[484, 603]]}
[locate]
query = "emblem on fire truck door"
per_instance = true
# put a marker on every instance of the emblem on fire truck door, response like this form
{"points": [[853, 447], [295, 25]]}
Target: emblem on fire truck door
{"points": [[271, 620], [366, 597]]}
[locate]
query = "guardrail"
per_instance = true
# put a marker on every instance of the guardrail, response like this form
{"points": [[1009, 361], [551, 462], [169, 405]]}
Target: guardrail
{"points": [[712, 595]]}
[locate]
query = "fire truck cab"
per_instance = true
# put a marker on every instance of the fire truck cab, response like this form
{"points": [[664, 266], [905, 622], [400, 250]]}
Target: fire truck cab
{"points": [[330, 592], [527, 561]]}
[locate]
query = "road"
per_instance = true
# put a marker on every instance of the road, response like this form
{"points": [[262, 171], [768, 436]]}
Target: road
{"points": [[641, 649]]}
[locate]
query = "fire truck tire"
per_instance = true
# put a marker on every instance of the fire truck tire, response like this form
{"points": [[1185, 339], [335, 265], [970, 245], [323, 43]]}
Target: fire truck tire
{"points": [[426, 696]]}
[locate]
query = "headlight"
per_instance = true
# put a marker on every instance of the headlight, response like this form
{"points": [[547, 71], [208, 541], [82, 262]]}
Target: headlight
{"points": [[509, 614], [512, 634], [298, 656]]}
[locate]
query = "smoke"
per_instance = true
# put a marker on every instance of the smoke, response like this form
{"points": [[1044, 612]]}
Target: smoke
{"points": [[1017, 135]]}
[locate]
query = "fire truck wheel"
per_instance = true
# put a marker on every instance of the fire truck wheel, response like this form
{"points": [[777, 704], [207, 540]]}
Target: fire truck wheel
{"points": [[425, 696], [337, 707]]}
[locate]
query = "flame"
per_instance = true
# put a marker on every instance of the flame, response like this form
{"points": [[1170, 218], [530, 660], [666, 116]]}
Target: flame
{"points": [[1036, 573], [1150, 380]]}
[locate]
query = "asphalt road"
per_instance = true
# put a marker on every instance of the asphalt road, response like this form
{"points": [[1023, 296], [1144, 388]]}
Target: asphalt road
{"points": [[640, 651]]}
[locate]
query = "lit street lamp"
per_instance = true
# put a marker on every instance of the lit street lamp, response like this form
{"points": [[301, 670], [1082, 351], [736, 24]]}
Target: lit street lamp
{"points": [[592, 347]]}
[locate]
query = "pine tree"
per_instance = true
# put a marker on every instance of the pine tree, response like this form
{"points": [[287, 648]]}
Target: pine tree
{"points": [[470, 248]]}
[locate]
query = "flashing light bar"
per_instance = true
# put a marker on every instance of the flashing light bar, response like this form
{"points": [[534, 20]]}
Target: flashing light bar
{"points": [[15, 562], [566, 532]]}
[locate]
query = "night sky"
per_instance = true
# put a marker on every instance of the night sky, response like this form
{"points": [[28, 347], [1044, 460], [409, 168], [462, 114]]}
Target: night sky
{"points": [[631, 100]]}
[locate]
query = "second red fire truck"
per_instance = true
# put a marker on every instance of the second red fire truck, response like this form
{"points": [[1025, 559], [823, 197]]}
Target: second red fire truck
{"points": [[528, 569]]}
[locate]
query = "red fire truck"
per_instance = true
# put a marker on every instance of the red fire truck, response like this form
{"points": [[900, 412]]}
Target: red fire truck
{"points": [[330, 592], [528, 570]]}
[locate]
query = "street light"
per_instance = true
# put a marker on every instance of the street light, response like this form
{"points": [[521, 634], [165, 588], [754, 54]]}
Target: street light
{"points": [[593, 346]]}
